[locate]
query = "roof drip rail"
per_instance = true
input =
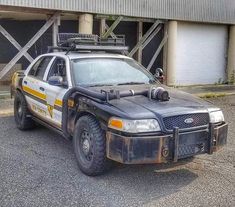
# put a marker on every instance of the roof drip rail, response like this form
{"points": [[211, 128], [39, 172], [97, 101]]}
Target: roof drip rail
{"points": [[88, 42]]}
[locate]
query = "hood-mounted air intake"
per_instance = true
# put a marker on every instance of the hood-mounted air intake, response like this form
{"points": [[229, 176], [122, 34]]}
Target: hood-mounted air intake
{"points": [[158, 93]]}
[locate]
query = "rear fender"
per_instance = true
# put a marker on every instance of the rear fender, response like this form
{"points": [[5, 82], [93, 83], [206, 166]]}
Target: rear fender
{"points": [[16, 83]]}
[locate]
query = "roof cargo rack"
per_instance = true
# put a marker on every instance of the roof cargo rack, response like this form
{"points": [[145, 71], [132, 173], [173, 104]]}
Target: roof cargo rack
{"points": [[88, 42], [66, 39]]}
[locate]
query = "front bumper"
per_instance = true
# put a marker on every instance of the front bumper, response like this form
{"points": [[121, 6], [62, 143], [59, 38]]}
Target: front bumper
{"points": [[165, 148]]}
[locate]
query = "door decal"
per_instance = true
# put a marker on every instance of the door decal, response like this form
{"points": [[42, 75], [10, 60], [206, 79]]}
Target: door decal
{"points": [[50, 110]]}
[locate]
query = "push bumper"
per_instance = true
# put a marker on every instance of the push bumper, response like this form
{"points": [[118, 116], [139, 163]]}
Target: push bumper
{"points": [[166, 148]]}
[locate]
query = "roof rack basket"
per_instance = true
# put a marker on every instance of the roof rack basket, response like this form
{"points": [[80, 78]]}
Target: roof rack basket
{"points": [[88, 42]]}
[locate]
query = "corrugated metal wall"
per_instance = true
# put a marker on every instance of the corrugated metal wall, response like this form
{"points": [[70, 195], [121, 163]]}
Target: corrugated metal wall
{"points": [[220, 11]]}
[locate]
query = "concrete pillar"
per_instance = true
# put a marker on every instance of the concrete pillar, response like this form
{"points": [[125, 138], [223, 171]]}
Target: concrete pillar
{"points": [[55, 31], [231, 56], [86, 24], [171, 52], [139, 36], [102, 26]]}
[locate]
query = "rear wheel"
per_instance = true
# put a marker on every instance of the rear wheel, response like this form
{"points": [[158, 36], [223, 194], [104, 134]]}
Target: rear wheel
{"points": [[21, 113], [90, 146]]}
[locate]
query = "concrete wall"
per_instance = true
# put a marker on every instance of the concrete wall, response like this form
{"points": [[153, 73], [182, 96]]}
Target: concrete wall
{"points": [[201, 53]]}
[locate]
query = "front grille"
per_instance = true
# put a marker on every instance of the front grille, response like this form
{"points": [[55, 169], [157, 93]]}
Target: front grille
{"points": [[179, 121]]}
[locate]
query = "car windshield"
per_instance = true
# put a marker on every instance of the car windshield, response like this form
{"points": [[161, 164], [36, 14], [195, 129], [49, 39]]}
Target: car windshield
{"points": [[109, 71]]}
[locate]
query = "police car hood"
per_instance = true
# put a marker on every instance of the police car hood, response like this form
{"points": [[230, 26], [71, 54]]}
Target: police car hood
{"points": [[138, 107]]}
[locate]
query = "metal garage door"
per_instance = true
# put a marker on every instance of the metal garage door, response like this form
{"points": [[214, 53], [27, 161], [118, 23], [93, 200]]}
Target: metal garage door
{"points": [[201, 53]]}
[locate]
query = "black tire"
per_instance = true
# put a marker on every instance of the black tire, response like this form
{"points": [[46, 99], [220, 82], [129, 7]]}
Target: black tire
{"points": [[21, 113], [90, 146]]}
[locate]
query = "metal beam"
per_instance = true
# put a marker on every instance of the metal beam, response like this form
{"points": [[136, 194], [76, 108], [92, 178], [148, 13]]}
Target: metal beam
{"points": [[126, 19], [115, 37], [142, 40], [102, 26], [157, 52], [111, 33], [112, 27], [139, 36], [165, 48], [44, 28], [15, 43], [55, 31], [26, 10], [151, 36]]}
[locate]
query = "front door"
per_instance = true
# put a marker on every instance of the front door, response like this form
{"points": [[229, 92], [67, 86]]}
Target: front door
{"points": [[55, 94]]}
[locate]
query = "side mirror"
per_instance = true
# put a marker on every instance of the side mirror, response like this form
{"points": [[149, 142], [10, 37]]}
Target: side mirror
{"points": [[159, 75], [158, 72], [55, 81]]}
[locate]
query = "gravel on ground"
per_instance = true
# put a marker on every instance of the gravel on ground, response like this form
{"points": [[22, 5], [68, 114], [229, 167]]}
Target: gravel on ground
{"points": [[38, 168]]}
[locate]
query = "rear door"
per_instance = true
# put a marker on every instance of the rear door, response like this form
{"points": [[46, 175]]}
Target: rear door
{"points": [[34, 86]]}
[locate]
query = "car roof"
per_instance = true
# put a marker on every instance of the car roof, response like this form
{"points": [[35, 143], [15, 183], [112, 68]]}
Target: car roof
{"points": [[77, 55]]}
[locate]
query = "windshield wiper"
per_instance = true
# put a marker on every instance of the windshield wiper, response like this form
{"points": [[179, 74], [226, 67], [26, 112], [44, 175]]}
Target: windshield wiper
{"points": [[131, 83], [100, 85]]}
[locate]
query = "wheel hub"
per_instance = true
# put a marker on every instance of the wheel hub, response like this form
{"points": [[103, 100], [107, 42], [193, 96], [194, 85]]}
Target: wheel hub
{"points": [[86, 143], [20, 110], [86, 146]]}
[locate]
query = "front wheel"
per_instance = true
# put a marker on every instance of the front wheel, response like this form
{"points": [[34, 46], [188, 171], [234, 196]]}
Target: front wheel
{"points": [[21, 113], [90, 146]]}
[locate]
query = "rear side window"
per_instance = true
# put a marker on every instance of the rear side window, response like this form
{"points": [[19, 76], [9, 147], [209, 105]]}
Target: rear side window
{"points": [[34, 68], [40, 67]]}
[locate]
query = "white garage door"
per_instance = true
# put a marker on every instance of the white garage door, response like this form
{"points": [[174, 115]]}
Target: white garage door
{"points": [[201, 53]]}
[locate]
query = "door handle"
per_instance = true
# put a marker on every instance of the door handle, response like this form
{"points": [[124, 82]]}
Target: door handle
{"points": [[25, 82], [42, 89]]}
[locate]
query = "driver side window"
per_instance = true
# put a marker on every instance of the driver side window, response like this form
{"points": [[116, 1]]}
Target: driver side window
{"points": [[58, 68]]}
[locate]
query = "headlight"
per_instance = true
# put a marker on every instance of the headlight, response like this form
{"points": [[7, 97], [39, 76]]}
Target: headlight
{"points": [[134, 126], [216, 116]]}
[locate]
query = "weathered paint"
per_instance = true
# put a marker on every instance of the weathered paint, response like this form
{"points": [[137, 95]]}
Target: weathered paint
{"points": [[220, 140], [149, 149]]}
